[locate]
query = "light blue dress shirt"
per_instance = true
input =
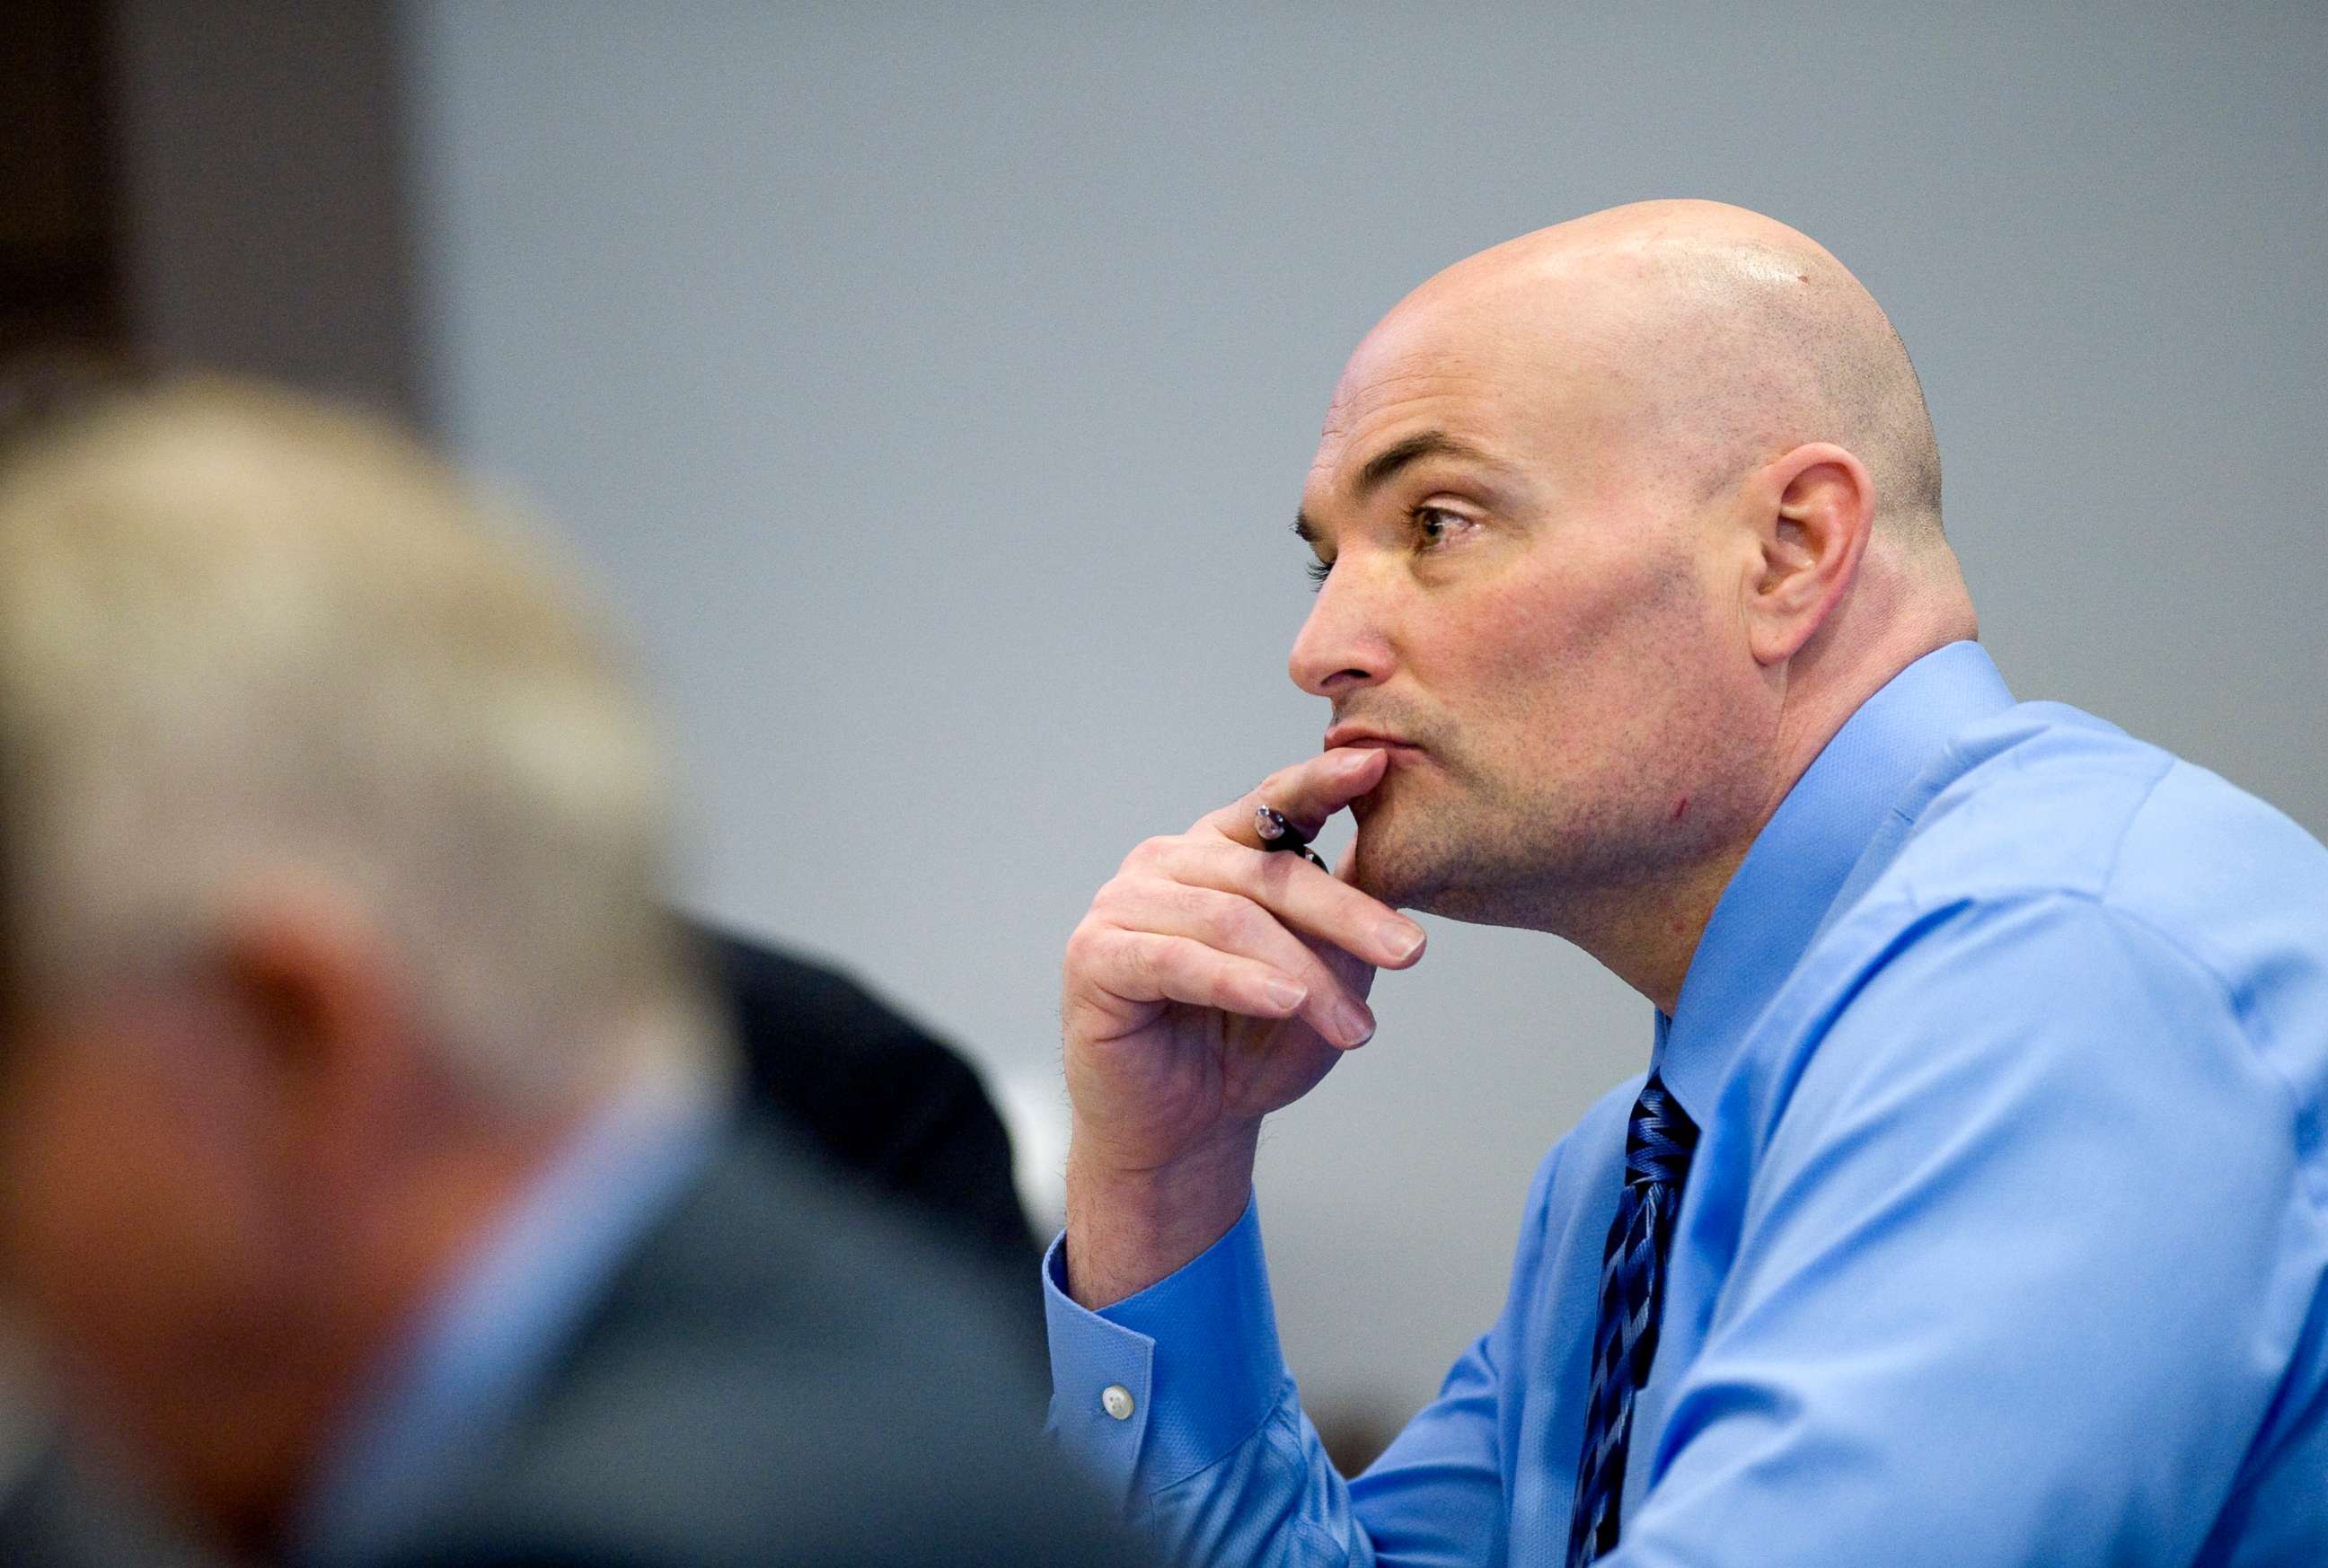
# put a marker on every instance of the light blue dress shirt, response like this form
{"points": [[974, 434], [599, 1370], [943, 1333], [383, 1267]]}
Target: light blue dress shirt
{"points": [[2005, 1240], [490, 1337]]}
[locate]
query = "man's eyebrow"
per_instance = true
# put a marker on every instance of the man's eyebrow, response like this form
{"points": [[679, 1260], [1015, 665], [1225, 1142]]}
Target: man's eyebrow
{"points": [[1389, 460], [1398, 455]]}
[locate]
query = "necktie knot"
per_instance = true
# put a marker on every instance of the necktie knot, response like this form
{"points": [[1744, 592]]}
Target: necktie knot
{"points": [[1659, 1140]]}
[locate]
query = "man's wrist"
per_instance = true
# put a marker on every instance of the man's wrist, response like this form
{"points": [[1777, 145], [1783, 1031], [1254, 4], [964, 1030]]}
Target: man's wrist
{"points": [[1128, 1228]]}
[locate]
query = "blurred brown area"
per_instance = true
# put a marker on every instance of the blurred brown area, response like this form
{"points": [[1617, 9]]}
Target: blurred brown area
{"points": [[1356, 1433], [268, 191], [61, 270], [61, 300], [222, 184]]}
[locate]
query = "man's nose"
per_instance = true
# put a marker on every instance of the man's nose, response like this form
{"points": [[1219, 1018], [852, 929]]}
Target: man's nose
{"points": [[1344, 643]]}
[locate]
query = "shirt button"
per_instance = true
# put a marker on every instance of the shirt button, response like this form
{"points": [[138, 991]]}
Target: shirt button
{"points": [[1116, 1400]]}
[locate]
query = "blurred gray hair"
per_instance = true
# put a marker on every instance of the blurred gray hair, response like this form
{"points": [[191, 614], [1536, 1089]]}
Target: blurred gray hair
{"points": [[249, 641]]}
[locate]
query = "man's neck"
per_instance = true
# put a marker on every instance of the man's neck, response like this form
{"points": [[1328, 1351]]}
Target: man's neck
{"points": [[491, 1322], [392, 1263], [1647, 934], [1647, 942]]}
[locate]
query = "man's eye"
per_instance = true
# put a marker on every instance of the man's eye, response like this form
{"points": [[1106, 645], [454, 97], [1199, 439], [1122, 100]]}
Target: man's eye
{"points": [[1435, 523], [1318, 570]]}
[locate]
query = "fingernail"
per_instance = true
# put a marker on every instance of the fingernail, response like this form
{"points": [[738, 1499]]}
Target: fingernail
{"points": [[1401, 939], [1354, 1023], [1285, 994]]}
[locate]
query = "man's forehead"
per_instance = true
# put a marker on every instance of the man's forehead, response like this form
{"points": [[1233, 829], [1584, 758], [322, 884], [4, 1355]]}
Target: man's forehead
{"points": [[1498, 387], [1372, 405]]}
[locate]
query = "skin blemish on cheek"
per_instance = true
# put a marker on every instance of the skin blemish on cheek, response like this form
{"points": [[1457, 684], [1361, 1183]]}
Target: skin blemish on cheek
{"points": [[1680, 806]]}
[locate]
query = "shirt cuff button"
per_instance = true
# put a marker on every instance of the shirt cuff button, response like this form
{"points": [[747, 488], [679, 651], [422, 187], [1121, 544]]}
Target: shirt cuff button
{"points": [[1116, 1400]]}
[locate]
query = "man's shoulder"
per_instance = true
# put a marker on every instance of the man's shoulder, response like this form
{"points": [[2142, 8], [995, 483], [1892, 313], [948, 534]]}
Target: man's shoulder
{"points": [[810, 1301], [2063, 833], [880, 1097], [2047, 800], [2060, 911], [823, 1048], [1586, 1153], [1582, 1167], [779, 1374]]}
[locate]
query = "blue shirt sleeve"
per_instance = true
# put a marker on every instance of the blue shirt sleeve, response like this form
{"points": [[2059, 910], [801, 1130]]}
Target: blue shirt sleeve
{"points": [[2007, 1286], [1214, 1461]]}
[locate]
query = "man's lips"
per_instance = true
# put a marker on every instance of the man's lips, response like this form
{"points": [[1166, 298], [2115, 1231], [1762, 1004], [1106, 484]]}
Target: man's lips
{"points": [[1364, 739]]}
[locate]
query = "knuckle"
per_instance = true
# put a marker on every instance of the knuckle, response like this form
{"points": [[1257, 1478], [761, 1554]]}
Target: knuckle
{"points": [[1146, 855], [1105, 903], [1351, 908], [1224, 919], [1093, 956], [1145, 960], [1271, 874]]}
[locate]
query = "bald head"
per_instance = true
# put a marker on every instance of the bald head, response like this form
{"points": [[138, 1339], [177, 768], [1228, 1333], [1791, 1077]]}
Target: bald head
{"points": [[1615, 525], [1689, 340]]}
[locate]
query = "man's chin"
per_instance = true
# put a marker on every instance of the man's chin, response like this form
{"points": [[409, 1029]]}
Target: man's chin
{"points": [[1450, 877], [1394, 858], [1399, 872]]}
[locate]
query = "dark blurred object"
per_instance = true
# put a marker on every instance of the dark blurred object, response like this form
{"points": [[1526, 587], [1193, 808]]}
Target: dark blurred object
{"points": [[51, 384], [773, 1380], [894, 1110], [59, 268], [888, 1103], [268, 184], [62, 1513], [1355, 1433], [218, 183], [771, 1366]]}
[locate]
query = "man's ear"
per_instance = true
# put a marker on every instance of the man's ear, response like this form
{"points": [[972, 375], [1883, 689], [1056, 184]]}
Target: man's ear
{"points": [[1811, 510], [316, 995]]}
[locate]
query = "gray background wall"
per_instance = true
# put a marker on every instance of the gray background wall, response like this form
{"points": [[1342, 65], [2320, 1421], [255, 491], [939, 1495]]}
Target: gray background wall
{"points": [[932, 385]]}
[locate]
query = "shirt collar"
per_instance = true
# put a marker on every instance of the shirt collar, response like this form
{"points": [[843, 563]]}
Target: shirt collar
{"points": [[485, 1340], [1782, 891]]}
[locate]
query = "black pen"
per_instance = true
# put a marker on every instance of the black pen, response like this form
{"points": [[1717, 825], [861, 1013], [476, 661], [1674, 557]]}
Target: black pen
{"points": [[1277, 833]]}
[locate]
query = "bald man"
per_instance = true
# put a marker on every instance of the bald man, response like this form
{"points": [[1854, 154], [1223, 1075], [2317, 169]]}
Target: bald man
{"points": [[1974, 1208]]}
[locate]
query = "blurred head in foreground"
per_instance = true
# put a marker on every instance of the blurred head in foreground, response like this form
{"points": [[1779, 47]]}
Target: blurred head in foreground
{"points": [[334, 846]]}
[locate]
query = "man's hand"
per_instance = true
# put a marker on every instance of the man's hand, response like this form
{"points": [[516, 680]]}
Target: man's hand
{"points": [[1210, 984]]}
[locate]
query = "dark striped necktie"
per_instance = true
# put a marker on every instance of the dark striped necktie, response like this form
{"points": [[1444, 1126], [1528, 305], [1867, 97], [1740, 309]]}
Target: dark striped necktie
{"points": [[1657, 1146]]}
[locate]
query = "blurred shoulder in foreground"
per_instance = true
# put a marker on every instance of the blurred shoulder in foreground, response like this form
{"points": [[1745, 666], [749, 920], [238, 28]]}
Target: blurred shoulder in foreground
{"points": [[875, 1093]]}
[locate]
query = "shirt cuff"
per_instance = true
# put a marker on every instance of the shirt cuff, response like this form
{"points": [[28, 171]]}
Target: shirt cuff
{"points": [[1192, 1363]]}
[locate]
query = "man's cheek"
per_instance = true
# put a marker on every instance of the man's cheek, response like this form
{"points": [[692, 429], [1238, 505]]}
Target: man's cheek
{"points": [[66, 1220], [88, 1220]]}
